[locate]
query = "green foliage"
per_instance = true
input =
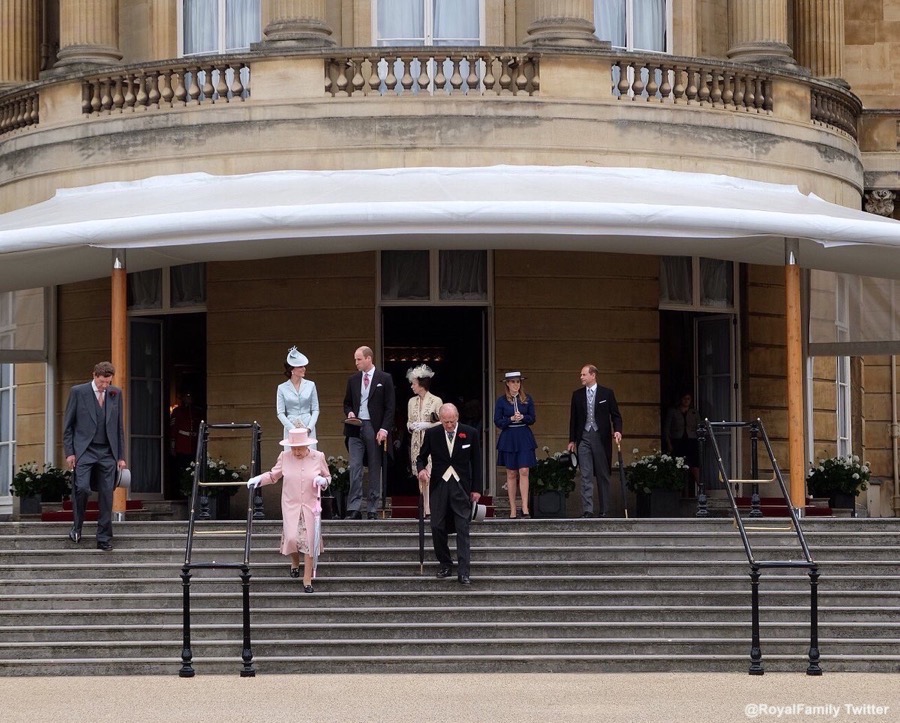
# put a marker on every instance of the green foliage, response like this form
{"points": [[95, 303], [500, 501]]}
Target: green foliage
{"points": [[50, 482], [657, 471], [216, 470], [837, 475], [553, 473], [340, 474]]}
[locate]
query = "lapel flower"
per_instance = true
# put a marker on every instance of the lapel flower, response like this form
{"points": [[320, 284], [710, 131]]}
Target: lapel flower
{"points": [[462, 435], [113, 395]]}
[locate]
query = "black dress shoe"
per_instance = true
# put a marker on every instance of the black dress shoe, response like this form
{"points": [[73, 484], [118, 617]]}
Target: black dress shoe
{"points": [[308, 588], [444, 572], [372, 516], [105, 546], [75, 536], [587, 514], [295, 572], [355, 515], [464, 580]]}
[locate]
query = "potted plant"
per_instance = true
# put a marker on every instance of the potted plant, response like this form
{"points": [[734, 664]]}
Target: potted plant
{"points": [[840, 479], [33, 485], [551, 480], [657, 480], [216, 470], [339, 469]]}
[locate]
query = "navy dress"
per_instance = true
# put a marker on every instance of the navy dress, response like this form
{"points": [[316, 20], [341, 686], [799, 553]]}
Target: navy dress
{"points": [[515, 445]]}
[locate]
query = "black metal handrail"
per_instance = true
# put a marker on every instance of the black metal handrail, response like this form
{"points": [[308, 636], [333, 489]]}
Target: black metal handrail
{"points": [[706, 432], [200, 483]]}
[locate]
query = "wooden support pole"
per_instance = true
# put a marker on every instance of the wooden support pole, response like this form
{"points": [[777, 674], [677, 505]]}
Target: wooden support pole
{"points": [[794, 337], [119, 326]]}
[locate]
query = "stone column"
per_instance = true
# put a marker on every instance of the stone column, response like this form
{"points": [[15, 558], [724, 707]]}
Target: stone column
{"points": [[819, 37], [562, 22], [299, 23], [20, 56], [758, 32], [88, 34]]}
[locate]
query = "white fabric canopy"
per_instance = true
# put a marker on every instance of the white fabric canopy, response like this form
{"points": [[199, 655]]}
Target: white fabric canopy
{"points": [[194, 217]]}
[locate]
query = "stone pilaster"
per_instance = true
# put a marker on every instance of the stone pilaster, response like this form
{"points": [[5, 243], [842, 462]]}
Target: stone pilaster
{"points": [[300, 23], [20, 58], [758, 32], [88, 34], [562, 23], [819, 37]]}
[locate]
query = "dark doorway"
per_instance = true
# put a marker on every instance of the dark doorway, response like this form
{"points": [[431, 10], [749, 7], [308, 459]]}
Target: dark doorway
{"points": [[453, 342]]}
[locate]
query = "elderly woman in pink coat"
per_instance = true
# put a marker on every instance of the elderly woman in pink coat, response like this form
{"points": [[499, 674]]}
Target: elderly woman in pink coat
{"points": [[306, 474]]}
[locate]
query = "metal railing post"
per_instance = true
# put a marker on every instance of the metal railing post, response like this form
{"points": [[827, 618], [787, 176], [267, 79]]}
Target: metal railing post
{"points": [[247, 670], [814, 668], [756, 667], [187, 670]]}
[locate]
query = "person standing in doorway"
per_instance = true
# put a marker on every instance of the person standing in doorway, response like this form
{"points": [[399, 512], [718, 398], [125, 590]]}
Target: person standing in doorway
{"points": [[456, 482], [421, 414], [594, 420], [680, 437], [94, 444], [369, 399], [296, 400], [513, 416]]}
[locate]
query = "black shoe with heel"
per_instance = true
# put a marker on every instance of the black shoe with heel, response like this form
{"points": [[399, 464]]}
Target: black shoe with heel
{"points": [[295, 572]]}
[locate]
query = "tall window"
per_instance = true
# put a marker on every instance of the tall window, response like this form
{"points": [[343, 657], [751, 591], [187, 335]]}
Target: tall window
{"points": [[219, 26], [842, 370], [633, 24], [418, 23]]}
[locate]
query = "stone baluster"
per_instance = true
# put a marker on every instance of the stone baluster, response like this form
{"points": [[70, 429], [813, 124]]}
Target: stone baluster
{"points": [[819, 38], [563, 22], [758, 32], [20, 60], [300, 23], [88, 34]]}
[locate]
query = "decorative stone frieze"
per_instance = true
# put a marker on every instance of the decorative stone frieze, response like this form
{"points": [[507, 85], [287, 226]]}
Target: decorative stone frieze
{"points": [[299, 23], [19, 42], [562, 22], [88, 34], [880, 201], [758, 32]]}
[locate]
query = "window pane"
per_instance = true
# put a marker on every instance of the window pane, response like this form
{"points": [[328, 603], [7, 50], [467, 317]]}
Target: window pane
{"points": [[456, 22], [649, 25], [145, 289], [6, 375], [5, 468], [675, 280], [242, 24], [201, 23], [188, 285], [609, 21], [5, 415], [716, 283], [404, 275], [401, 22], [463, 275]]}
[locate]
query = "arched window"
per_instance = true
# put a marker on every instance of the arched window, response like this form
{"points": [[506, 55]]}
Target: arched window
{"points": [[634, 24], [218, 26]]}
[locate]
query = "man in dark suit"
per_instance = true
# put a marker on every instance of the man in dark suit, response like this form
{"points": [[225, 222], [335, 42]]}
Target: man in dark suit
{"points": [[456, 482], [370, 399], [594, 420], [94, 443]]}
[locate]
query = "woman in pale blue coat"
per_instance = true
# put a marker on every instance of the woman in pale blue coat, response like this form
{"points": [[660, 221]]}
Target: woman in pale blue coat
{"points": [[297, 401]]}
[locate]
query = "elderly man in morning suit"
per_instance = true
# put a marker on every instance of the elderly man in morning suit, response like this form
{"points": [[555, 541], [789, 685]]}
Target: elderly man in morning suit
{"points": [[94, 443]]}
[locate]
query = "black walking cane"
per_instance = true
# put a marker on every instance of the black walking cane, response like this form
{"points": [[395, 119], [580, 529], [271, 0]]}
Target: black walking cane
{"points": [[421, 533], [622, 478], [384, 446]]}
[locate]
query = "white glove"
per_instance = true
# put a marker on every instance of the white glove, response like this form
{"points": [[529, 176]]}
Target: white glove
{"points": [[297, 422], [254, 481], [320, 481], [420, 425]]}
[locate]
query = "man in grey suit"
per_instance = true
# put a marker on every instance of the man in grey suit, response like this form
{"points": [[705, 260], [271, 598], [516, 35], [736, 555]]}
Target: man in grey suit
{"points": [[94, 443]]}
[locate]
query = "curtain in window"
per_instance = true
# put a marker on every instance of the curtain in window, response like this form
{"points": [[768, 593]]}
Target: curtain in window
{"points": [[649, 25], [404, 275], [201, 22], [145, 289], [609, 21], [188, 285], [456, 22], [463, 275], [716, 281], [242, 24], [675, 280], [401, 22]]}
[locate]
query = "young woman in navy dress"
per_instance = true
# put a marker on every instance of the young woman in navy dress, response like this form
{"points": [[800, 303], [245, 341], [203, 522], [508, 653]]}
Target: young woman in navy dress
{"points": [[513, 416]]}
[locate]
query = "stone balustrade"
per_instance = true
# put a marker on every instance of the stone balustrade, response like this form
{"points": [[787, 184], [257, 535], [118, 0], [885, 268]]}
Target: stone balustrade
{"points": [[18, 110], [611, 76]]}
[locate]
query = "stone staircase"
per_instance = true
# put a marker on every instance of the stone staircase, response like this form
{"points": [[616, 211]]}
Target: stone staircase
{"points": [[563, 595]]}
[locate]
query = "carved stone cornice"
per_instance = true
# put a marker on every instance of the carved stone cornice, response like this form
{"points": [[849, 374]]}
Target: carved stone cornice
{"points": [[880, 201]]}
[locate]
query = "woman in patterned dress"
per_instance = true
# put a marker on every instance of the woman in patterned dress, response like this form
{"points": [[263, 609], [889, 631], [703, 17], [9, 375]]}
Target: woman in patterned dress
{"points": [[422, 414]]}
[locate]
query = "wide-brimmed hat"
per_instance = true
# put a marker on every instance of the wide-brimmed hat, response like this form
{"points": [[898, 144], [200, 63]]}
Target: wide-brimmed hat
{"points": [[298, 437], [296, 359], [423, 371], [512, 376]]}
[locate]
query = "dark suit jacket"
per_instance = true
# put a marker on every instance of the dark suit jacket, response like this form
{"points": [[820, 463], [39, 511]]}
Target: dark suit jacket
{"points": [[606, 414], [381, 401], [466, 458], [82, 416]]}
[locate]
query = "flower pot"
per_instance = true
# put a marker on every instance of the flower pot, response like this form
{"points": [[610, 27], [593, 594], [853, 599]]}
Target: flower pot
{"points": [[339, 505], [30, 505], [659, 503], [842, 501], [549, 505]]}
